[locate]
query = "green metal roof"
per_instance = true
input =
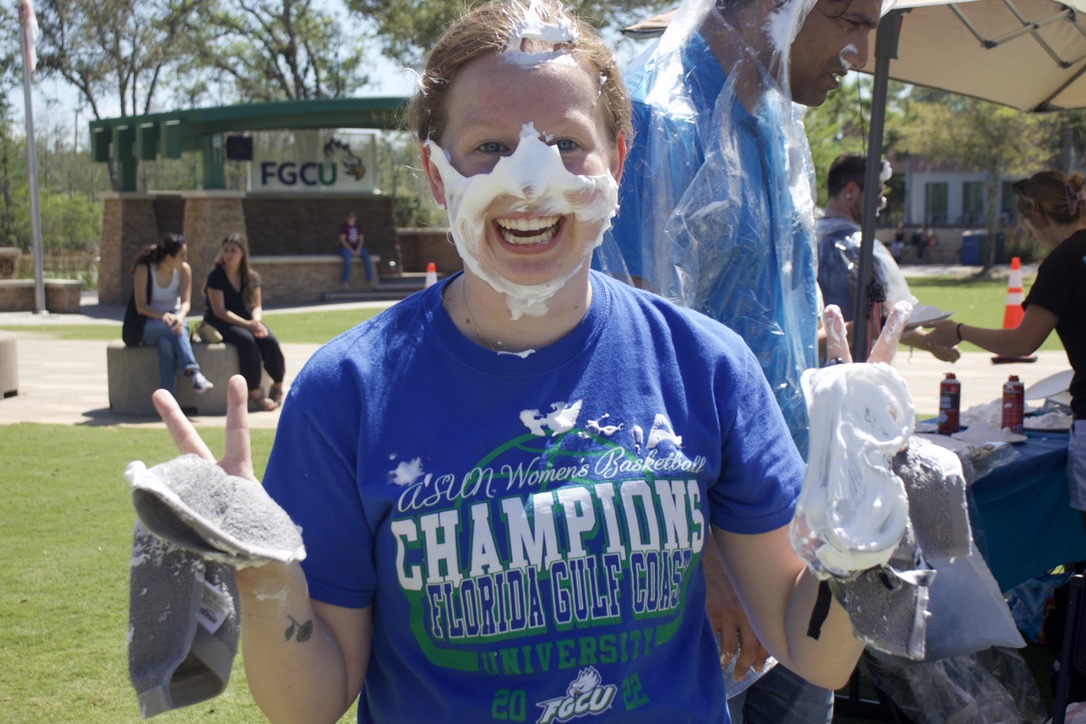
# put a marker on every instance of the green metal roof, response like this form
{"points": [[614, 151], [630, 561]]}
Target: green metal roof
{"points": [[167, 135]]}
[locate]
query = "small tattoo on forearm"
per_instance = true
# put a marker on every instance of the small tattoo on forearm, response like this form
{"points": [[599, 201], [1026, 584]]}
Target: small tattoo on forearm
{"points": [[300, 632]]}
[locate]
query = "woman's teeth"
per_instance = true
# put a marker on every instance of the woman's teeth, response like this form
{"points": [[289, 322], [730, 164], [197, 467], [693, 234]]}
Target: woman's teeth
{"points": [[528, 231]]}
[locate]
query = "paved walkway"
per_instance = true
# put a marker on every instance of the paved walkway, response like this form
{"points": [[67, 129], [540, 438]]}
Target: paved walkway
{"points": [[64, 382]]}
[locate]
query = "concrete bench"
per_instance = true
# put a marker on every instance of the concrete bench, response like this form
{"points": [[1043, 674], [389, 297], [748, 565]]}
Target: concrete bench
{"points": [[133, 377], [9, 366], [306, 278], [62, 296]]}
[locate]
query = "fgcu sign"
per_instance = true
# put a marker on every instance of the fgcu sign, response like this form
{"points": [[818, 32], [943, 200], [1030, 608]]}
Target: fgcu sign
{"points": [[323, 161]]}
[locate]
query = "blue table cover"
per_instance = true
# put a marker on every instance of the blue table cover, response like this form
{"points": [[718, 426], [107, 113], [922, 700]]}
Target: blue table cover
{"points": [[1023, 523]]}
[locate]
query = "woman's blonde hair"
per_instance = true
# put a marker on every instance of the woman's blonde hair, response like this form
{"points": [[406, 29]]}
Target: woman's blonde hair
{"points": [[1054, 194], [486, 29]]}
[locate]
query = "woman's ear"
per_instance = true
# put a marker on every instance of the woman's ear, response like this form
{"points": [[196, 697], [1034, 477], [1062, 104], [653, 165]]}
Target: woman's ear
{"points": [[437, 186], [619, 161]]}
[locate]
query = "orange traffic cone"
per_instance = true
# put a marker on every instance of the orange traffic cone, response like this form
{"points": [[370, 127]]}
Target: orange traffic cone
{"points": [[431, 274], [1013, 312]]}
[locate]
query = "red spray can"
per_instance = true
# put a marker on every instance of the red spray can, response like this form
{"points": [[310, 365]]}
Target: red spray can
{"points": [[950, 395], [1014, 395]]}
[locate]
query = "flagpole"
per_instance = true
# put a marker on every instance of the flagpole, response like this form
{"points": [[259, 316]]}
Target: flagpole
{"points": [[32, 157]]}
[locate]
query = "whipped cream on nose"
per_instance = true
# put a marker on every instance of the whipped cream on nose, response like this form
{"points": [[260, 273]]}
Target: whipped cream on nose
{"points": [[849, 51], [535, 191]]}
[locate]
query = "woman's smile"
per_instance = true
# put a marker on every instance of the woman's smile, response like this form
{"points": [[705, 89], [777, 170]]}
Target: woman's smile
{"points": [[522, 232]]}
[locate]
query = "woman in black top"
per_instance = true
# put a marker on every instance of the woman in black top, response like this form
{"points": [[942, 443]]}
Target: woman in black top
{"points": [[1051, 206], [232, 304]]}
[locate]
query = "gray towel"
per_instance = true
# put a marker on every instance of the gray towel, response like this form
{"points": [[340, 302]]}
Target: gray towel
{"points": [[937, 507], [183, 626], [193, 503], [195, 524]]}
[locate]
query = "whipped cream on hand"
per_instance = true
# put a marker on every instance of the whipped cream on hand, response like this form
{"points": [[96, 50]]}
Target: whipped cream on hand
{"points": [[853, 510]]}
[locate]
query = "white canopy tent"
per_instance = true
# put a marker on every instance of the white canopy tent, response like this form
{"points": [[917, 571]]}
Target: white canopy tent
{"points": [[1026, 54]]}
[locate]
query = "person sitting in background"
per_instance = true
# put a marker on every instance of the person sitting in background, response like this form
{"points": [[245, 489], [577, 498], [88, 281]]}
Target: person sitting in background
{"points": [[897, 246], [839, 235], [1051, 206], [351, 244], [919, 240], [171, 299], [232, 306]]}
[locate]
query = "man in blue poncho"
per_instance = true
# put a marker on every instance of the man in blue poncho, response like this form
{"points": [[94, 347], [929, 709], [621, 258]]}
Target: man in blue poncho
{"points": [[717, 210]]}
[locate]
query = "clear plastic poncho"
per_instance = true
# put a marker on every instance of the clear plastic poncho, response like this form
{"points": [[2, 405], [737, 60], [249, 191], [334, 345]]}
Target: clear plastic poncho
{"points": [[716, 210], [839, 262], [717, 205]]}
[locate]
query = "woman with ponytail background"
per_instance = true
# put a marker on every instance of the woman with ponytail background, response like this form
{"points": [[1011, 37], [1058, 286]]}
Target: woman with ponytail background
{"points": [[1052, 207], [166, 309]]}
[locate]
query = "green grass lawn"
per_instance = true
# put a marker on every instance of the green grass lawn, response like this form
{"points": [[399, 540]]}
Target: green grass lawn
{"points": [[304, 327], [975, 302], [979, 303], [67, 523]]}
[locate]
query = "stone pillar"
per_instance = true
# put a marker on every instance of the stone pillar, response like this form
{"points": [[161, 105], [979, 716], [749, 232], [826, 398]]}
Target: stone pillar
{"points": [[209, 217], [128, 225]]}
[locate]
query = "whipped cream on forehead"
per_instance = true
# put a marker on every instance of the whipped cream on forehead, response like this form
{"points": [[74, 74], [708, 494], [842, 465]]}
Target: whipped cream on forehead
{"points": [[531, 181], [534, 40]]}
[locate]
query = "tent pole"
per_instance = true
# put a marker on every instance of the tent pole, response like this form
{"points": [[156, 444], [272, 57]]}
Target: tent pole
{"points": [[885, 50]]}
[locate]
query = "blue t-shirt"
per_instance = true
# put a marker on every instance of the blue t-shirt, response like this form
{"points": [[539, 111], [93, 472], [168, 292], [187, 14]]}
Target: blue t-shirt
{"points": [[708, 212], [529, 530]]}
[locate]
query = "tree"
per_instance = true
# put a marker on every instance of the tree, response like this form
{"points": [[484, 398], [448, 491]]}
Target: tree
{"points": [[1070, 138], [11, 64], [8, 154], [11, 69], [113, 50], [842, 125], [269, 50], [400, 175], [979, 135], [407, 28]]}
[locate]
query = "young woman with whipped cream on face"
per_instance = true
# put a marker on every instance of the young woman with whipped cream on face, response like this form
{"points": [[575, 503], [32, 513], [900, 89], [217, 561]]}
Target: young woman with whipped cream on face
{"points": [[504, 483]]}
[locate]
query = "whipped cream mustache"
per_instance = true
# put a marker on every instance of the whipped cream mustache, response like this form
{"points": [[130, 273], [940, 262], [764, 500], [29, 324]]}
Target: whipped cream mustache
{"points": [[531, 180]]}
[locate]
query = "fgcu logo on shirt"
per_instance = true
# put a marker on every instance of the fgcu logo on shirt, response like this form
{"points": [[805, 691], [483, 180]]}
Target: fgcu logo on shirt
{"points": [[584, 697]]}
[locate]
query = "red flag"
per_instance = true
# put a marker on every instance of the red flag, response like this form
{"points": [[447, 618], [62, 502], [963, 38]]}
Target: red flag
{"points": [[29, 22]]}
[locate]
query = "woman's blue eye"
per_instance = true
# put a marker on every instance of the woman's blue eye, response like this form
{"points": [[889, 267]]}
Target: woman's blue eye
{"points": [[491, 147], [564, 144]]}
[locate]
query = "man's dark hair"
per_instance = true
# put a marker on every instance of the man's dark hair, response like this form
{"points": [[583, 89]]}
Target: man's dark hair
{"points": [[846, 167]]}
